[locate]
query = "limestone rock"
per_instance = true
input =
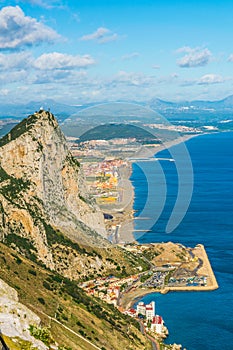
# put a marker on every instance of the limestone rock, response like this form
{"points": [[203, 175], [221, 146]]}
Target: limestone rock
{"points": [[15, 318], [42, 187]]}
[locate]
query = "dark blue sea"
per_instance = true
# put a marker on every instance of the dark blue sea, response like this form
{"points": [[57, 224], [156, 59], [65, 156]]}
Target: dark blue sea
{"points": [[197, 320]]}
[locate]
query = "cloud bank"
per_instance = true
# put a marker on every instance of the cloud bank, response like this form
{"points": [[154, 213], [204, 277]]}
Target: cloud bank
{"points": [[208, 79], [56, 60], [18, 30], [196, 57]]}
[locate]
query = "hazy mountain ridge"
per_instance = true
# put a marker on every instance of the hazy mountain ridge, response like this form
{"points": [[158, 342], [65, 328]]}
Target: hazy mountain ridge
{"points": [[64, 111], [195, 104]]}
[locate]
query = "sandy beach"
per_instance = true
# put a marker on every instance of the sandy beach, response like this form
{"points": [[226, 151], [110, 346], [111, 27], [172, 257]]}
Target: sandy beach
{"points": [[124, 211], [125, 206]]}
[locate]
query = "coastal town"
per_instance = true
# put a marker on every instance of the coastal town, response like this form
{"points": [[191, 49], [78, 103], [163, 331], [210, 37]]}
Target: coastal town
{"points": [[107, 165], [169, 266], [111, 289], [170, 271], [173, 267], [107, 171]]}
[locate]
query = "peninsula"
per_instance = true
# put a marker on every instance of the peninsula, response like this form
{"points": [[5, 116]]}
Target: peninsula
{"points": [[64, 252]]}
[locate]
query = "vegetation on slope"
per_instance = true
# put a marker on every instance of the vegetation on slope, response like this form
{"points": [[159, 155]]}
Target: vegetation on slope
{"points": [[48, 293], [11, 187], [96, 261], [112, 131]]}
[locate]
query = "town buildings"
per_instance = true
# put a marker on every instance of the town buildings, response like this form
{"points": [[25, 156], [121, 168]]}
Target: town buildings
{"points": [[153, 322], [157, 324], [146, 310]]}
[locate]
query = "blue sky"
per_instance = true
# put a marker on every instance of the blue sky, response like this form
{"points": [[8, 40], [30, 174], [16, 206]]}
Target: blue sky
{"points": [[92, 50]]}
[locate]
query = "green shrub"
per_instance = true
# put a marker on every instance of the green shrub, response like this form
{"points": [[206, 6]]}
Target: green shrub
{"points": [[42, 334], [41, 300], [47, 285], [26, 247], [18, 260]]}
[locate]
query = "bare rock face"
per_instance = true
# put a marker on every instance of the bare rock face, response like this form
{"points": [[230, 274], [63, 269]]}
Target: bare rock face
{"points": [[42, 189], [15, 318]]}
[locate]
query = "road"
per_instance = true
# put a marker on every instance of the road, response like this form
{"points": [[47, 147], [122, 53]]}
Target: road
{"points": [[78, 335], [155, 344]]}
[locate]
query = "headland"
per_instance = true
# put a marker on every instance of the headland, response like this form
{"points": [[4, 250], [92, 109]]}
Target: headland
{"points": [[199, 278]]}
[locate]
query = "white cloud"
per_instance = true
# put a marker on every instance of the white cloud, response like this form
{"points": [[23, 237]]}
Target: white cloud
{"points": [[101, 35], [174, 75], [13, 76], [170, 79], [4, 92], [18, 30], [56, 60], [15, 61], [155, 66], [195, 57], [130, 56], [135, 79], [108, 38], [210, 79], [98, 34], [207, 79], [67, 77]]}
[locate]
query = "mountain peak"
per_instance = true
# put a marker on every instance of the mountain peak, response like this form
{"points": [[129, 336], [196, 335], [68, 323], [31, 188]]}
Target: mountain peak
{"points": [[42, 188], [40, 118]]}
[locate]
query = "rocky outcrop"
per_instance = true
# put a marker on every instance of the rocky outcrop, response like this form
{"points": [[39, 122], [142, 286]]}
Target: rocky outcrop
{"points": [[15, 318], [42, 189]]}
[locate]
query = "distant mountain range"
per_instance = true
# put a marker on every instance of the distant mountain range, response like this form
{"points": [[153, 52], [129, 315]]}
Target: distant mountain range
{"points": [[64, 111], [23, 110], [225, 104]]}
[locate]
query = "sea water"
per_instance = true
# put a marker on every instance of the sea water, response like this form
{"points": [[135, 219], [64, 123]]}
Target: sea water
{"points": [[198, 320]]}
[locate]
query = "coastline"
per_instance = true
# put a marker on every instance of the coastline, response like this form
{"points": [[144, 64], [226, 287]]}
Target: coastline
{"points": [[126, 229], [126, 233], [130, 298]]}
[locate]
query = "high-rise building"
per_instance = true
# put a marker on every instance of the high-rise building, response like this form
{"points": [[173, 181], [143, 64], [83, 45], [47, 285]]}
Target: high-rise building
{"points": [[146, 310]]}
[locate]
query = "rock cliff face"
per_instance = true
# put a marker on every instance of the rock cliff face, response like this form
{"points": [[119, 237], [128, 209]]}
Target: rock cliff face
{"points": [[42, 189], [15, 318]]}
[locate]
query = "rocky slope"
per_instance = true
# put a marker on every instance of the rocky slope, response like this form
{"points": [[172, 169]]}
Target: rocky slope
{"points": [[15, 318], [53, 233], [59, 303], [42, 188]]}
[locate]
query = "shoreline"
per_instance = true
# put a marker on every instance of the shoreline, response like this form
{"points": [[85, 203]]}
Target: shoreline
{"points": [[126, 228], [130, 298], [126, 231]]}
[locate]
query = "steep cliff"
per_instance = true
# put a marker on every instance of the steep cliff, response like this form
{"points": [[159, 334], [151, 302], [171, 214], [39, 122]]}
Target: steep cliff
{"points": [[42, 189], [48, 218]]}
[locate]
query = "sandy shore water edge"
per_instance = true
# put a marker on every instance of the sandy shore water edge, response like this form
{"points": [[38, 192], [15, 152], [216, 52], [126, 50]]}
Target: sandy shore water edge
{"points": [[130, 298], [126, 229], [126, 232]]}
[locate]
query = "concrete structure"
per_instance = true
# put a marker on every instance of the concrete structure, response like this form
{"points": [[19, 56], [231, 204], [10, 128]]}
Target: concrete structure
{"points": [[157, 324], [146, 310], [149, 312]]}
